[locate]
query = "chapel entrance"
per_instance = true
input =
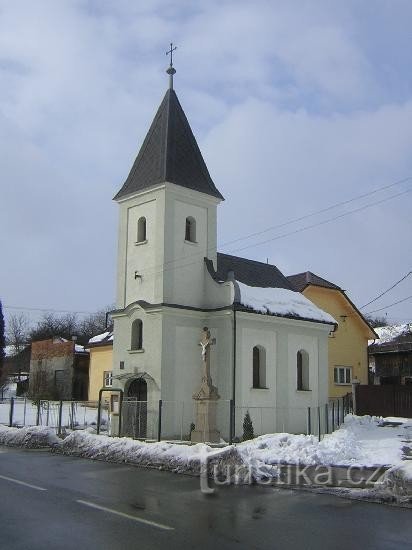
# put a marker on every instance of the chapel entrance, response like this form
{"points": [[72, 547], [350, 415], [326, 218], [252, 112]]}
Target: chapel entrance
{"points": [[134, 414]]}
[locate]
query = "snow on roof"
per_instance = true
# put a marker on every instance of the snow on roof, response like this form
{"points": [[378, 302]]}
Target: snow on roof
{"points": [[283, 302], [105, 336], [390, 333], [80, 348]]}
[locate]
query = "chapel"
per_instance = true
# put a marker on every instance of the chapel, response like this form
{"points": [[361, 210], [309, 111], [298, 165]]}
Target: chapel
{"points": [[266, 347]]}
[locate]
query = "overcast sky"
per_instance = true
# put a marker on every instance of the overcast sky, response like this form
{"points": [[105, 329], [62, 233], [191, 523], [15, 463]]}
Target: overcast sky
{"points": [[296, 106]]}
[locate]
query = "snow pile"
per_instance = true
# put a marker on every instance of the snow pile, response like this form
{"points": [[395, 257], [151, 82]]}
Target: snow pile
{"points": [[360, 441], [390, 333], [280, 301], [399, 481], [162, 455], [32, 438]]}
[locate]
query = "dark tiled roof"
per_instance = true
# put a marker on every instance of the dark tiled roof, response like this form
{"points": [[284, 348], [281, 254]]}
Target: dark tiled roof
{"points": [[169, 153], [250, 272], [301, 280]]}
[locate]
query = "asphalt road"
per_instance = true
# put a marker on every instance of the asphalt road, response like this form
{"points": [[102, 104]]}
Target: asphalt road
{"points": [[55, 502]]}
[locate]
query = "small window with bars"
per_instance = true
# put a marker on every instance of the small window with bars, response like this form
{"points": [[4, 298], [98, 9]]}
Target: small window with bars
{"points": [[343, 375]]}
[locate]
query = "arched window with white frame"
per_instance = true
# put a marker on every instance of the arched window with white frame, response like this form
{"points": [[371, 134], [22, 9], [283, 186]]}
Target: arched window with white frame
{"points": [[190, 230], [141, 230], [302, 370], [259, 367], [137, 335]]}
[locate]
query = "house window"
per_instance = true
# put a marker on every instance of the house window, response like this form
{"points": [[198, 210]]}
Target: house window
{"points": [[108, 378], [302, 368], [137, 334], [259, 367], [190, 230], [141, 230], [342, 375]]}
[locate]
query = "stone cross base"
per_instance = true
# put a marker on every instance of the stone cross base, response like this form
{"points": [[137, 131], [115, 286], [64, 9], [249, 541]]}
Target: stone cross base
{"points": [[206, 430]]}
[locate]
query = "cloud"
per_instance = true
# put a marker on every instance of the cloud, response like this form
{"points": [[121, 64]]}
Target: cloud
{"points": [[296, 106]]}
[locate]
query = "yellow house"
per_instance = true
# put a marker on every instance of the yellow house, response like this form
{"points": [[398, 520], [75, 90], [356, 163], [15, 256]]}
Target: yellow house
{"points": [[101, 364], [348, 345]]}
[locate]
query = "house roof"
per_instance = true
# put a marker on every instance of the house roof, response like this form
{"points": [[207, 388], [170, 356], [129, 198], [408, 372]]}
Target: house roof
{"points": [[301, 280], [104, 339], [169, 153], [251, 272]]}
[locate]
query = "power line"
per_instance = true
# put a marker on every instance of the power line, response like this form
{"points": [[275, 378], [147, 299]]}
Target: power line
{"points": [[278, 226], [386, 291], [390, 305], [48, 310], [283, 235], [322, 211]]}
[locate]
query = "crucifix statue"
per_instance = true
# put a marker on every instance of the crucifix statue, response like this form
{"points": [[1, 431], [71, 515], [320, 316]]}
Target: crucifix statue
{"points": [[205, 344], [206, 397]]}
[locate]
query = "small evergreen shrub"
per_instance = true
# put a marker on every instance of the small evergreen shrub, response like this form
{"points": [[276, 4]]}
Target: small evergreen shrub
{"points": [[247, 427]]}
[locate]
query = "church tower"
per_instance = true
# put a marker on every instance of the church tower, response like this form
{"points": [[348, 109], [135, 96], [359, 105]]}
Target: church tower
{"points": [[167, 215], [167, 227]]}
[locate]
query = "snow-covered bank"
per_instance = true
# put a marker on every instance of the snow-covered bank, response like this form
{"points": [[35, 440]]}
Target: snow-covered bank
{"points": [[361, 441], [34, 437], [162, 455]]}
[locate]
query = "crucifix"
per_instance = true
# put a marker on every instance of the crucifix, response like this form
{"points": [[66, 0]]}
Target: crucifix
{"points": [[205, 344], [171, 70]]}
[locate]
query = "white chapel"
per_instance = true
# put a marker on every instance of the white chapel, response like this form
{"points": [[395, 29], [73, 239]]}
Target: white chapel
{"points": [[267, 347]]}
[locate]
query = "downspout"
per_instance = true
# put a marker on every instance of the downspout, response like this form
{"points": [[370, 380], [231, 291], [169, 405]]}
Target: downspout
{"points": [[234, 371]]}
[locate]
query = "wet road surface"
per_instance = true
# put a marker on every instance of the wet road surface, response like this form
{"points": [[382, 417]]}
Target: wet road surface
{"points": [[49, 501]]}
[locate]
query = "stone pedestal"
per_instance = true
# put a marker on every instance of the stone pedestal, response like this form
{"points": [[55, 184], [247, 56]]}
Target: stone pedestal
{"points": [[205, 413]]}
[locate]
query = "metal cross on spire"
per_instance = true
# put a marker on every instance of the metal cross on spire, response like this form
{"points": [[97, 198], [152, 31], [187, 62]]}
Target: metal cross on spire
{"points": [[171, 70]]}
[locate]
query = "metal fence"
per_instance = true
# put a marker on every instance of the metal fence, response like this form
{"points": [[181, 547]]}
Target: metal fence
{"points": [[61, 415], [176, 420]]}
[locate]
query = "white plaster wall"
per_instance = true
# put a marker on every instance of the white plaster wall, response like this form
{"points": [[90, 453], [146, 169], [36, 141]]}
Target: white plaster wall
{"points": [[184, 273], [147, 259]]}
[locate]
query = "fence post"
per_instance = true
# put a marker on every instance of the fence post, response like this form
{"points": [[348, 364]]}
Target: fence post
{"points": [[59, 428], [11, 411], [327, 418], [355, 385], [38, 413], [159, 423], [309, 422], [333, 416], [319, 422], [231, 421], [48, 413], [72, 415]]}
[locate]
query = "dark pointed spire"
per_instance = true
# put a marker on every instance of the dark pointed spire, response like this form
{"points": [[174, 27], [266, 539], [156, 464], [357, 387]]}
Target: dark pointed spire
{"points": [[169, 153]]}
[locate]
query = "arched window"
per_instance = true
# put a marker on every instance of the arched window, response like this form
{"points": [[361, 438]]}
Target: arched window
{"points": [[190, 230], [141, 230], [137, 334], [259, 367], [302, 367]]}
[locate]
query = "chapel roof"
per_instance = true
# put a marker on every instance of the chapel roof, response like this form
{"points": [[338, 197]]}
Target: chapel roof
{"points": [[251, 272], [169, 153], [301, 280]]}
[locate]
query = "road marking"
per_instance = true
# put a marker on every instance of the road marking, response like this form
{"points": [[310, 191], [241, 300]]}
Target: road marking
{"points": [[23, 483], [134, 518]]}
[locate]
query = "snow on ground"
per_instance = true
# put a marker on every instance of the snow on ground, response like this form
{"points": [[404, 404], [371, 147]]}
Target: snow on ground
{"points": [[360, 441], [174, 457], [280, 301], [33, 437]]}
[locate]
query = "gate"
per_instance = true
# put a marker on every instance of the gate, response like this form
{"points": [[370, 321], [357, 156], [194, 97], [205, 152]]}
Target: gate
{"points": [[134, 418], [386, 400]]}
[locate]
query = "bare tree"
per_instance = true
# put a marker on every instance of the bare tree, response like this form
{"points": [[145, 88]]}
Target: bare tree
{"points": [[17, 331]]}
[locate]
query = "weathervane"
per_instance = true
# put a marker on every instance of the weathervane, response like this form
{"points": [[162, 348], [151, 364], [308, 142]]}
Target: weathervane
{"points": [[171, 70]]}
